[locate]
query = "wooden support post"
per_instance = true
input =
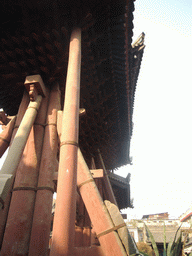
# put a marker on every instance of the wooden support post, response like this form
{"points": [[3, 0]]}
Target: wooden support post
{"points": [[99, 184], [97, 174], [19, 222], [39, 242], [110, 242], [87, 230], [94, 239], [3, 213], [87, 236], [16, 150], [65, 212], [21, 112], [5, 136], [109, 190], [80, 222], [78, 236], [89, 251]]}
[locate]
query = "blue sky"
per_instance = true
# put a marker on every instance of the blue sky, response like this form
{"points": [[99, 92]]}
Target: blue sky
{"points": [[162, 137]]}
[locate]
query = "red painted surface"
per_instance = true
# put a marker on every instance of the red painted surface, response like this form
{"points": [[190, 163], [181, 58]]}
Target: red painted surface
{"points": [[78, 236], [3, 214], [6, 136], [19, 222], [109, 191], [97, 211], [87, 230], [65, 212], [40, 234], [186, 217], [79, 223], [22, 108], [89, 251]]}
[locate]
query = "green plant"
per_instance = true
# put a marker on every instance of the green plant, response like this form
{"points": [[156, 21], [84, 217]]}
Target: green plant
{"points": [[152, 240], [144, 254], [174, 247], [164, 243]]}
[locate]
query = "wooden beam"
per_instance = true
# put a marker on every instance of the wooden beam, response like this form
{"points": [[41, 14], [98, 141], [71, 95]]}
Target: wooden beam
{"points": [[5, 136], [110, 242], [3, 213], [108, 187], [97, 173], [44, 196], [19, 223], [87, 251], [16, 150]]}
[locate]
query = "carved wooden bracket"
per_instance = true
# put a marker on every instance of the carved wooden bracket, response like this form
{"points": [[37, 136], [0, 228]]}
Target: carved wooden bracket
{"points": [[33, 93]]}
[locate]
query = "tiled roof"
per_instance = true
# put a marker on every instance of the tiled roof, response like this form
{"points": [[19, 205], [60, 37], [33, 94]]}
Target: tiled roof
{"points": [[121, 189], [158, 233]]}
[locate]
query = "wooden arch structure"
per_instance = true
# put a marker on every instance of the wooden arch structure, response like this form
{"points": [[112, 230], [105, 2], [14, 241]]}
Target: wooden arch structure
{"points": [[68, 77]]}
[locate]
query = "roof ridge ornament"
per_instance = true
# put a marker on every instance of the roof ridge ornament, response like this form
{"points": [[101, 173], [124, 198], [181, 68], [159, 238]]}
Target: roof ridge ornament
{"points": [[139, 41]]}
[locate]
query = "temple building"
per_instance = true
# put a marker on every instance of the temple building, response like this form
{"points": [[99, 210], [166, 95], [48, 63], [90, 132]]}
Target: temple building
{"points": [[68, 74]]}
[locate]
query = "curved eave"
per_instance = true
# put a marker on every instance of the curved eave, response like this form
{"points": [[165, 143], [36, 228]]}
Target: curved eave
{"points": [[121, 188], [185, 218], [137, 55]]}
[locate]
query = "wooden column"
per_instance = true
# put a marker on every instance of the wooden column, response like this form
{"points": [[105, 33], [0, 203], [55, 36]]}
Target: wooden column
{"points": [[89, 251], [39, 242], [103, 225], [36, 89], [19, 222], [87, 230], [16, 150], [3, 213], [78, 236], [65, 212], [80, 222], [5, 136], [21, 112], [109, 190]]}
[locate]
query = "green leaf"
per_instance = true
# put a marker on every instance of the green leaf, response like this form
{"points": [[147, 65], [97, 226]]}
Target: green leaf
{"points": [[140, 254], [143, 254], [177, 247], [171, 244], [169, 248], [152, 241]]}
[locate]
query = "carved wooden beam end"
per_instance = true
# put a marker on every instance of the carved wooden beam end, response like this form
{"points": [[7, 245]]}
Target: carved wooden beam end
{"points": [[35, 86]]}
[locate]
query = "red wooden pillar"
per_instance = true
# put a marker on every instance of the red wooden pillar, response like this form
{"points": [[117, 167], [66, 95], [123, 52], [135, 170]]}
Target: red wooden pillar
{"points": [[109, 190], [80, 222], [5, 136], [39, 242], [65, 212], [103, 225], [87, 230], [21, 112], [19, 222], [78, 236], [3, 213]]}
